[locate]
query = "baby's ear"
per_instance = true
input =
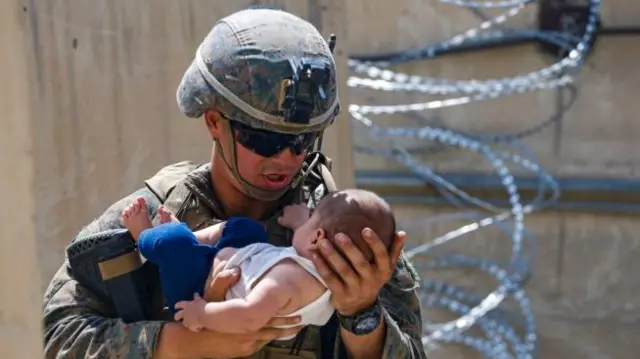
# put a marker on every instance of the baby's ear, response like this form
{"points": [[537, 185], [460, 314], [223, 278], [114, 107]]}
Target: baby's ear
{"points": [[319, 234]]}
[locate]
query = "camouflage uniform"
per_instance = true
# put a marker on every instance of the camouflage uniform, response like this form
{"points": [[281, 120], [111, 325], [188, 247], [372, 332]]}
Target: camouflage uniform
{"points": [[80, 323]]}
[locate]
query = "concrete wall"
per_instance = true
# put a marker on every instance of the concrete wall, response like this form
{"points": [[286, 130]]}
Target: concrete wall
{"points": [[584, 289], [20, 294], [593, 139]]}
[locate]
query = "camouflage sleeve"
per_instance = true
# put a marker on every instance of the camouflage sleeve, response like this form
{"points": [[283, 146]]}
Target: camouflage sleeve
{"points": [[78, 324], [402, 316]]}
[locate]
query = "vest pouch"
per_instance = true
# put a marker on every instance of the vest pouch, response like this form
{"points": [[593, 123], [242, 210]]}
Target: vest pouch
{"points": [[109, 264]]}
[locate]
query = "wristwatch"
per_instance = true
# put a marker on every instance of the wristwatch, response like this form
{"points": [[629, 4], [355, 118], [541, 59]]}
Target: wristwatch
{"points": [[364, 322]]}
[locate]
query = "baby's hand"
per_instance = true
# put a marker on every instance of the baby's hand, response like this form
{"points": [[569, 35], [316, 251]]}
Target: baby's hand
{"points": [[294, 216], [191, 312]]}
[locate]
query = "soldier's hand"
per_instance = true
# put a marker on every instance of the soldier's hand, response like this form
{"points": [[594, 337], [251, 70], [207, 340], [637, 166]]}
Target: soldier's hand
{"points": [[176, 341], [255, 341], [353, 281], [227, 346]]}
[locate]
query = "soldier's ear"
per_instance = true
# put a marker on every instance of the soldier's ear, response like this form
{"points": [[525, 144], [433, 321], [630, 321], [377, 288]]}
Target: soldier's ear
{"points": [[212, 120]]}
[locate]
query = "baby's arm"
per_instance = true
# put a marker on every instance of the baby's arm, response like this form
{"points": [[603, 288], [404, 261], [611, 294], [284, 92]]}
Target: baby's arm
{"points": [[210, 235], [239, 315]]}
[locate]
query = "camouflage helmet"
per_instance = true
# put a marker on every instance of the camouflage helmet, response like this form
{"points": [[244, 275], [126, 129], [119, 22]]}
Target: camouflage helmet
{"points": [[267, 70], [245, 66]]}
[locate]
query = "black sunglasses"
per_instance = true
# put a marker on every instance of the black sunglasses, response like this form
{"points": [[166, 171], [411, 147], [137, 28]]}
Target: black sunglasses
{"points": [[267, 143]]}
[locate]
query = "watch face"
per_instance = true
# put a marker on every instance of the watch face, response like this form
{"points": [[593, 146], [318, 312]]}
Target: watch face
{"points": [[364, 323], [367, 325]]}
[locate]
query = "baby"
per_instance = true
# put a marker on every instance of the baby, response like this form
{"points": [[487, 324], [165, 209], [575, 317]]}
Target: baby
{"points": [[275, 281]]}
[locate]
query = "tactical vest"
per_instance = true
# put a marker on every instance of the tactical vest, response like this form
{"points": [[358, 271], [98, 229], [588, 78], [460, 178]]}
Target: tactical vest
{"points": [[197, 212]]}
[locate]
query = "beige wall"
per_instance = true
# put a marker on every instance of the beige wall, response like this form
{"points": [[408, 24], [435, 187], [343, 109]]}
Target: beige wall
{"points": [[20, 295], [584, 289]]}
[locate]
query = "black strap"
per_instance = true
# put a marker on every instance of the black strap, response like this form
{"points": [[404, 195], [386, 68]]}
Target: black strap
{"points": [[328, 334]]}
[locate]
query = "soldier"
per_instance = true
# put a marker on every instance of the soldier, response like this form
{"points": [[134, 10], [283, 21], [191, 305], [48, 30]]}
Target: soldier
{"points": [[264, 82]]}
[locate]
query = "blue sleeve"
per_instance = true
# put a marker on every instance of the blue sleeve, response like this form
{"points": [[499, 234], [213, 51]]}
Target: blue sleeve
{"points": [[169, 238]]}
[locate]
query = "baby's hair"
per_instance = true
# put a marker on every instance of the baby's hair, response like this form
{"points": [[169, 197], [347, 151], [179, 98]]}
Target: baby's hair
{"points": [[351, 210]]}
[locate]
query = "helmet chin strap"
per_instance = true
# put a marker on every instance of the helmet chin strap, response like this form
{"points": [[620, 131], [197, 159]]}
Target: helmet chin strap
{"points": [[248, 188]]}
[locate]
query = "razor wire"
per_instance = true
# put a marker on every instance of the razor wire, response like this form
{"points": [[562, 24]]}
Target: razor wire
{"points": [[500, 339]]}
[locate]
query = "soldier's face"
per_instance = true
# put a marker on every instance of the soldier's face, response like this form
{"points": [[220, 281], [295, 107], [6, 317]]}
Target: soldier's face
{"points": [[272, 173]]}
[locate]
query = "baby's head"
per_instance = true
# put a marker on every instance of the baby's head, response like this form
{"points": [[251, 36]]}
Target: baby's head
{"points": [[349, 212]]}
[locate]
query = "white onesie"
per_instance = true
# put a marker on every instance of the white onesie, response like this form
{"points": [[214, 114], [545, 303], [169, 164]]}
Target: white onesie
{"points": [[256, 259]]}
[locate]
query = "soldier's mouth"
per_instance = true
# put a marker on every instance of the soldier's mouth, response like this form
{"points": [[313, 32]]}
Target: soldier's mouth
{"points": [[276, 181]]}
